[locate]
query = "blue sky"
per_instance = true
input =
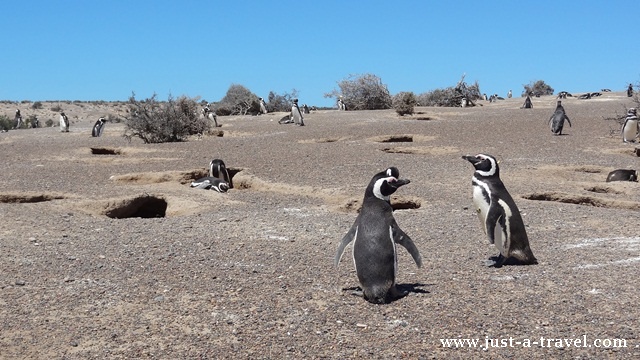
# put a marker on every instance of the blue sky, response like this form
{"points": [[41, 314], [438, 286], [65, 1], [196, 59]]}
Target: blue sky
{"points": [[105, 50]]}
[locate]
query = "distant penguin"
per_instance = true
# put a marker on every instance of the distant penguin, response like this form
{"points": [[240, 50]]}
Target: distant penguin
{"points": [[64, 123], [622, 175], [630, 90], [305, 109], [375, 234], [17, 120], [527, 103], [341, 105], [211, 115], [499, 216], [509, 94], [35, 123], [463, 102], [556, 120], [630, 127], [263, 106], [218, 169], [98, 128], [296, 114], [211, 183]]}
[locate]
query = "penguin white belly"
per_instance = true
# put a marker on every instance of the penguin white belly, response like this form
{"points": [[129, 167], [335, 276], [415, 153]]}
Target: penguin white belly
{"points": [[481, 206], [630, 130]]}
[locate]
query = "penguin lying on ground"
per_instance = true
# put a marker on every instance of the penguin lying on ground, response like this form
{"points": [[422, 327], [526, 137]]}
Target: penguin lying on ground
{"points": [[499, 216], [211, 183], [622, 175], [375, 234]]}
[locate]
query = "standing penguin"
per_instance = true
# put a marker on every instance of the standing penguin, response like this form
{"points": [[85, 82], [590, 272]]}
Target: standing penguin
{"points": [[98, 127], [509, 94], [341, 105], [527, 103], [375, 234], [17, 120], [499, 216], [630, 127], [210, 114], [64, 123], [218, 169], [296, 114], [557, 119], [263, 107]]}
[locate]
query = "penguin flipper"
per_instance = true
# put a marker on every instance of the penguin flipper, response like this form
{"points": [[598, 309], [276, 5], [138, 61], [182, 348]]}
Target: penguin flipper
{"points": [[400, 238], [492, 222], [348, 237], [567, 118]]}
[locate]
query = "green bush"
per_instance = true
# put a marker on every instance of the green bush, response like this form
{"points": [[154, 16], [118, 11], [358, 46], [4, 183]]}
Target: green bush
{"points": [[36, 105], [49, 123], [537, 88], [404, 102], [363, 92], [56, 108], [158, 122]]}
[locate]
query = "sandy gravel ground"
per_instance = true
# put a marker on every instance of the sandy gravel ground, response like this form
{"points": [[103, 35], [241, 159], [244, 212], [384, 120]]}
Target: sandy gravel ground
{"points": [[249, 273]]}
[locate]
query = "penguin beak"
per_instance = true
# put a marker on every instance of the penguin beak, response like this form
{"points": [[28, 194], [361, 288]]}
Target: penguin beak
{"points": [[472, 159], [400, 182]]}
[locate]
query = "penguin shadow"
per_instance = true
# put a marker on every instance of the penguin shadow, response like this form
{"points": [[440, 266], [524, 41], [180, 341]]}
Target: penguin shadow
{"points": [[498, 261], [403, 290]]}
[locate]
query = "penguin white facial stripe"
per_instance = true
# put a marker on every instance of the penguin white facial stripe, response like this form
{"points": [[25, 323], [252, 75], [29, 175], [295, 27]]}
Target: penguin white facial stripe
{"points": [[494, 166], [378, 185]]}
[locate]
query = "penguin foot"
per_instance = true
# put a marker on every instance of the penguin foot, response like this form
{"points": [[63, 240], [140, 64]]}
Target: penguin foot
{"points": [[495, 261]]}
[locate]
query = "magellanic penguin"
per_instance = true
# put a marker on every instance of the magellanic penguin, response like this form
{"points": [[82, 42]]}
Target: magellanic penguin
{"points": [[263, 107], [218, 169], [98, 128], [499, 216], [64, 123], [375, 234], [557, 119], [296, 114], [211, 183], [630, 127], [211, 115], [622, 175]]}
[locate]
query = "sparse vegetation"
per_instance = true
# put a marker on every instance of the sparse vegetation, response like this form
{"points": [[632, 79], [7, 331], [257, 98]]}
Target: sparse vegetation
{"points": [[56, 108], [49, 123], [403, 103], [451, 96], [276, 102], [364, 92], [157, 122], [537, 88], [5, 123], [238, 101], [36, 105]]}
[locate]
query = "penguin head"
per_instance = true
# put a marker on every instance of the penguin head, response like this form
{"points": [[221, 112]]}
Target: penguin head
{"points": [[486, 165], [385, 183], [222, 186]]}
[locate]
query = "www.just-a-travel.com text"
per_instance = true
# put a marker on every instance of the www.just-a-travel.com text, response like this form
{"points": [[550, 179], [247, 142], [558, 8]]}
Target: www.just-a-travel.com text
{"points": [[541, 342]]}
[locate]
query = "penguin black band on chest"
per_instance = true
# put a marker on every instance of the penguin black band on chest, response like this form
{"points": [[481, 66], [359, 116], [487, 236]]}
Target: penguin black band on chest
{"points": [[375, 234], [499, 215]]}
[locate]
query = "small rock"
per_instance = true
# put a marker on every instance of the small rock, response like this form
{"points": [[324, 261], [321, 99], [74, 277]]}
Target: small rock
{"points": [[21, 282], [159, 298]]}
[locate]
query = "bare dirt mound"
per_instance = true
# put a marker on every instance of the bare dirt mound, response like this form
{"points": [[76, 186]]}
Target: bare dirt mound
{"points": [[583, 200], [181, 177], [19, 197]]}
